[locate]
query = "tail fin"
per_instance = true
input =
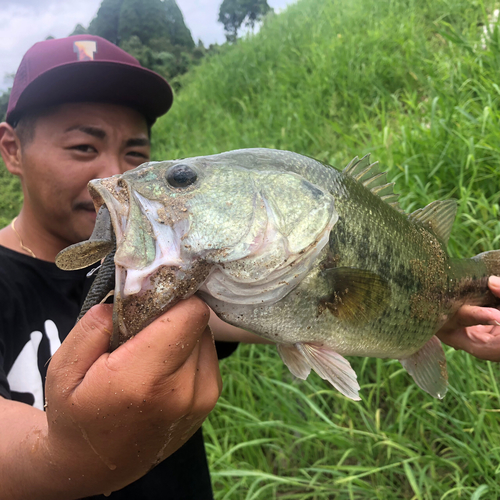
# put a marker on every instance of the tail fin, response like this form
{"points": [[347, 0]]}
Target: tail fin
{"points": [[490, 263], [491, 260]]}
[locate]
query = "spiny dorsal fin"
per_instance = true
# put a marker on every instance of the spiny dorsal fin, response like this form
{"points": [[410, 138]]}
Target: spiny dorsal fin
{"points": [[357, 167], [372, 178], [438, 217]]}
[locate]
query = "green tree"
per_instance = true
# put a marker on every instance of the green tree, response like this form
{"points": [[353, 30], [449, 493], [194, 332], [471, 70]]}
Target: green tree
{"points": [[233, 13], [105, 23], [79, 30], [153, 31], [144, 19], [4, 102], [177, 30], [141, 52]]}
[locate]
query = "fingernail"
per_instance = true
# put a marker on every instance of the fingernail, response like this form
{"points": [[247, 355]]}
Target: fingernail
{"points": [[495, 281]]}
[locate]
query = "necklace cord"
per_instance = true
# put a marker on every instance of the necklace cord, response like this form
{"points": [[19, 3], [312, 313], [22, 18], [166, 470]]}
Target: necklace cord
{"points": [[25, 248]]}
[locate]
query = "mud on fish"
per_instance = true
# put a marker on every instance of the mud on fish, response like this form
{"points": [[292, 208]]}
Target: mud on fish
{"points": [[322, 262]]}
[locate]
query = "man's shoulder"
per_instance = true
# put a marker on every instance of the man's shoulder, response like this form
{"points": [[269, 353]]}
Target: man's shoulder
{"points": [[27, 282], [21, 267], [15, 268], [8, 269]]}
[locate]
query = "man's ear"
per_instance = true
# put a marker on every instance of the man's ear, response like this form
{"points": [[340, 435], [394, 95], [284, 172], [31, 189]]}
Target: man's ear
{"points": [[10, 149]]}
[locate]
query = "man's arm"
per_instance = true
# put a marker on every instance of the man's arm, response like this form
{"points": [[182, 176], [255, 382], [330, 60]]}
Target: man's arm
{"points": [[110, 417], [476, 330]]}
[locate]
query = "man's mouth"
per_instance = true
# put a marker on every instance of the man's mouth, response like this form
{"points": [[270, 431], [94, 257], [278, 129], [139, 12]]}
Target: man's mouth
{"points": [[85, 205]]}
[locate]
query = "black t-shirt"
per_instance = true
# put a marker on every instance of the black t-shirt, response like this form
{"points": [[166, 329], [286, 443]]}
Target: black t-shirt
{"points": [[39, 306]]}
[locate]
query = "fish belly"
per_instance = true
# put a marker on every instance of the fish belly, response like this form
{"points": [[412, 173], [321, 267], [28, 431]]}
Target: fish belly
{"points": [[300, 317]]}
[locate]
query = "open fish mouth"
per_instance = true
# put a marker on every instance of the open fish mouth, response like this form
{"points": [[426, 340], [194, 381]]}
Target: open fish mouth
{"points": [[145, 241], [150, 274], [142, 267]]}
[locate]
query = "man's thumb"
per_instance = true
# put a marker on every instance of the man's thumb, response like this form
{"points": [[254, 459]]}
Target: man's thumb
{"points": [[88, 340]]}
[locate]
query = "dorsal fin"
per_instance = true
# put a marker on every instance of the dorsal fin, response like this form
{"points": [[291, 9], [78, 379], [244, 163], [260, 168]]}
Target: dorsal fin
{"points": [[372, 178], [438, 217]]}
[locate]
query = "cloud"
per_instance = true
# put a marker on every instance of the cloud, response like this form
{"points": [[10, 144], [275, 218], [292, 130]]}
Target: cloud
{"points": [[25, 22], [31, 4], [201, 17]]}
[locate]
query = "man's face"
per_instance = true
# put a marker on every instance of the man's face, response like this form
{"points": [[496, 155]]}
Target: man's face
{"points": [[74, 144]]}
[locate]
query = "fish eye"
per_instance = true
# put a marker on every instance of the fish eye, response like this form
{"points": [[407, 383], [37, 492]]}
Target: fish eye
{"points": [[181, 176]]}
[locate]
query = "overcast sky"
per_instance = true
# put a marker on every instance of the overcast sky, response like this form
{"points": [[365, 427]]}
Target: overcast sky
{"points": [[25, 22]]}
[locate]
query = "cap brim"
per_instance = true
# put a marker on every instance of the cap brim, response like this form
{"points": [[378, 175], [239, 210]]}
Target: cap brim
{"points": [[98, 81]]}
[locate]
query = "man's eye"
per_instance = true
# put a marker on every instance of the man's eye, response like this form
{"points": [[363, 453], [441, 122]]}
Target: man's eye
{"points": [[85, 148], [138, 154]]}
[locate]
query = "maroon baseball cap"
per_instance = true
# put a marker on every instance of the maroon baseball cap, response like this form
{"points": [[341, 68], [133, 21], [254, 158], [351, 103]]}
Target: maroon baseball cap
{"points": [[85, 68]]}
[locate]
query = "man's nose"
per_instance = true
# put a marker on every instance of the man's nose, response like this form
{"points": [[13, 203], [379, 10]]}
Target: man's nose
{"points": [[111, 165]]}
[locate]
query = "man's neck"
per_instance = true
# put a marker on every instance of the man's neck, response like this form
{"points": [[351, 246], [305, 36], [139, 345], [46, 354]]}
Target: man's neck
{"points": [[26, 238]]}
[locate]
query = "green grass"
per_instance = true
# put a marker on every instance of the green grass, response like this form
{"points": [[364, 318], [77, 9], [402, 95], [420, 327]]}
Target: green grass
{"points": [[11, 197], [274, 437], [410, 82]]}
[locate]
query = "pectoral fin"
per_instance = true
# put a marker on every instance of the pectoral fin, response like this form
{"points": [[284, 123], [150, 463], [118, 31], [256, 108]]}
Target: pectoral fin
{"points": [[294, 360], [358, 295], [329, 365], [428, 368]]}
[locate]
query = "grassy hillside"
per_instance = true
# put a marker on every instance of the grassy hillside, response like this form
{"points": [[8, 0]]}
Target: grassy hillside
{"points": [[410, 82], [414, 83]]}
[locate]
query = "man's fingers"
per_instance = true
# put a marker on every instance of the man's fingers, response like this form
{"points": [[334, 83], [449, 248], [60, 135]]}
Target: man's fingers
{"points": [[166, 343], [197, 382], [88, 340], [207, 368], [475, 315], [494, 285]]}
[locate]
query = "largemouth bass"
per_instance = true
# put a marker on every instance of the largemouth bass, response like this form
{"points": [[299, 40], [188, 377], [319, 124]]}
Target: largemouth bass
{"points": [[322, 262]]}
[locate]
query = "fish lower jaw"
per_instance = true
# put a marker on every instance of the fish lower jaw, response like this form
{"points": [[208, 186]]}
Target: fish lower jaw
{"points": [[138, 280]]}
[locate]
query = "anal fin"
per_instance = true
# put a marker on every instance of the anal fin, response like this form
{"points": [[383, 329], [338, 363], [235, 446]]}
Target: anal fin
{"points": [[332, 367], [428, 368]]}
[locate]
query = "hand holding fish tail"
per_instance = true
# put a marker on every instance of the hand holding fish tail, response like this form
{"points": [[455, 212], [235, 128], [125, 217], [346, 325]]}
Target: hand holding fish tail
{"points": [[474, 329]]}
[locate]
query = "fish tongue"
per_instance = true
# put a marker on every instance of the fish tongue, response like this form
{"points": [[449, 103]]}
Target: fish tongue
{"points": [[328, 364], [428, 368]]}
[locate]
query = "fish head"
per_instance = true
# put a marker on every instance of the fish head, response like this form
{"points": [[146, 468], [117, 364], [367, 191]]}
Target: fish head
{"points": [[209, 224]]}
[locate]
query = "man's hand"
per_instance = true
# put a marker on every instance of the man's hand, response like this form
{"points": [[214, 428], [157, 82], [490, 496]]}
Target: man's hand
{"points": [[475, 330], [110, 417]]}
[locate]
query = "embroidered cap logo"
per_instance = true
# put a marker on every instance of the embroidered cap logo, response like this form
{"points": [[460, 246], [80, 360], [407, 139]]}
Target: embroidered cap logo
{"points": [[85, 50]]}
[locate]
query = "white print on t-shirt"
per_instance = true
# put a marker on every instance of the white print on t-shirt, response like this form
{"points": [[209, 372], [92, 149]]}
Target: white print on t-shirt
{"points": [[24, 375]]}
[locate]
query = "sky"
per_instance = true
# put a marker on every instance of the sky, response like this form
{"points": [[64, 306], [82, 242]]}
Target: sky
{"points": [[25, 22]]}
